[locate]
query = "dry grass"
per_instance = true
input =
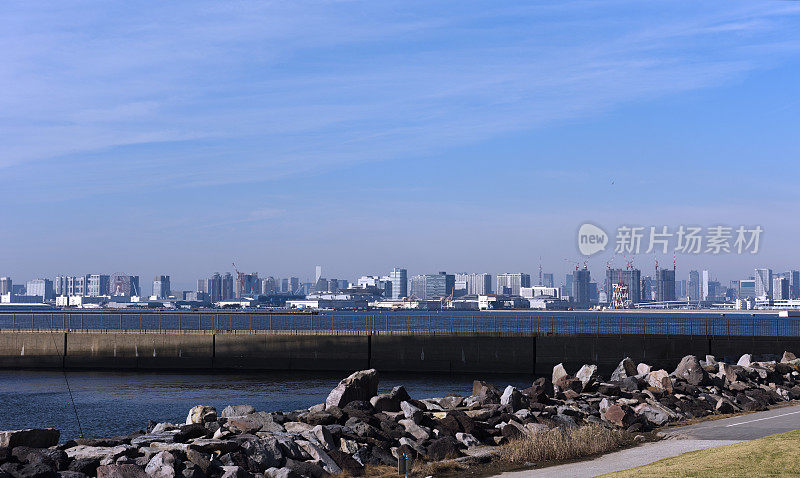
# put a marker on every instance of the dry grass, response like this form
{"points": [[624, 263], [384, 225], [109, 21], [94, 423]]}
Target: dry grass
{"points": [[419, 470], [561, 445]]}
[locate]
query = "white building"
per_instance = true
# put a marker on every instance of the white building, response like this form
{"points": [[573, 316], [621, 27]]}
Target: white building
{"points": [[475, 284], [764, 283], [510, 283]]}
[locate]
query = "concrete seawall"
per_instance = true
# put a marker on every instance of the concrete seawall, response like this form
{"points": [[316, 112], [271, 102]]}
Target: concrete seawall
{"points": [[397, 352]]}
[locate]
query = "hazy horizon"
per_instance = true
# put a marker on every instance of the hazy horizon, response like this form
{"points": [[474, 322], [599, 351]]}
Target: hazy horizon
{"points": [[177, 138]]}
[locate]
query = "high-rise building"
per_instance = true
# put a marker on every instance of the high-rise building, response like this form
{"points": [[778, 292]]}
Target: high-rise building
{"points": [[547, 280], [580, 286], [71, 285], [42, 288], [747, 289], [476, 284], [5, 285], [510, 283], [763, 283], [269, 286], [227, 286], [706, 288], [247, 285], [665, 285], [122, 284], [399, 278], [433, 286], [631, 278], [214, 287], [694, 286], [284, 286], [161, 287], [794, 284], [317, 273], [294, 285], [780, 288], [98, 285]]}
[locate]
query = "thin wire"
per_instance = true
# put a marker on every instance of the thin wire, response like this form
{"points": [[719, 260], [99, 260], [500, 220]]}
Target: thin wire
{"points": [[69, 389]]}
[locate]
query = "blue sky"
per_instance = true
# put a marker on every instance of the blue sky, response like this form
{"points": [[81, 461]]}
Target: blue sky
{"points": [[177, 137]]}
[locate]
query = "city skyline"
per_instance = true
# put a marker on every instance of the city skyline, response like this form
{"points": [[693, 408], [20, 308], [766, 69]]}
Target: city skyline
{"points": [[444, 137]]}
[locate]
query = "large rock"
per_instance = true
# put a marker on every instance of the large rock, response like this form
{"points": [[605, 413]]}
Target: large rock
{"points": [[201, 414], [689, 369], [653, 414], [660, 380], [32, 437], [788, 357], [587, 375], [361, 385], [512, 398], [390, 402], [121, 471], [643, 369], [319, 455], [745, 360], [237, 411], [625, 369], [558, 372], [620, 416], [99, 452], [443, 449], [486, 393], [162, 465]]}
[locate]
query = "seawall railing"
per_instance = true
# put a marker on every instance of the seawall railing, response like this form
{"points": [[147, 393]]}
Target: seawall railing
{"points": [[585, 323]]}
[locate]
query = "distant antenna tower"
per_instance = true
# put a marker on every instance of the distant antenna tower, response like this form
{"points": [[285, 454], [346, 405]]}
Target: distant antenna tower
{"points": [[540, 271]]}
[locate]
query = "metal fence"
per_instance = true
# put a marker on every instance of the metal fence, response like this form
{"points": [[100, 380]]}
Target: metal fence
{"points": [[756, 325]]}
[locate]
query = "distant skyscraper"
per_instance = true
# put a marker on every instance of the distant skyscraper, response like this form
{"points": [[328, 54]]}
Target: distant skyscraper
{"points": [[433, 286], [706, 289], [161, 287], [580, 286], [284, 286], [693, 286], [665, 285], [399, 278], [780, 288], [247, 285], [227, 286], [510, 283], [317, 274], [747, 289], [42, 288], [122, 284], [547, 280], [99, 284], [202, 286], [294, 285], [476, 284], [214, 287], [269, 286], [630, 278], [763, 283], [5, 285], [794, 284]]}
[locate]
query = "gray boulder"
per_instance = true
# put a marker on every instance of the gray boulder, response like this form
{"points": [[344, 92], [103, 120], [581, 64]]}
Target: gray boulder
{"points": [[32, 437], [745, 360], [201, 414], [689, 369], [587, 375], [559, 372], [788, 357], [121, 471], [390, 402], [626, 368], [511, 397], [237, 411], [162, 465], [361, 385]]}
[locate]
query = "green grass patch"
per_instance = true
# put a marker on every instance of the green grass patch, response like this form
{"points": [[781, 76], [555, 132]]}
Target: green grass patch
{"points": [[776, 455]]}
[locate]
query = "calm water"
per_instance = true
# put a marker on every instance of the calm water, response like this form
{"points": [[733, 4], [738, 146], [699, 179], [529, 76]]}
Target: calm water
{"points": [[118, 403]]}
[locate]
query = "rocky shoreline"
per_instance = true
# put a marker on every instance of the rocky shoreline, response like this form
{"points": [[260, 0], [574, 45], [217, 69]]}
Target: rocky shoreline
{"points": [[356, 427]]}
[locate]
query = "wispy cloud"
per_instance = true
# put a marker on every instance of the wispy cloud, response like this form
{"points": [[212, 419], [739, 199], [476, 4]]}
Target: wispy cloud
{"points": [[241, 92]]}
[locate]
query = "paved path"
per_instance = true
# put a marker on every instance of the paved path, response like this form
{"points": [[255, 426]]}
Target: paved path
{"points": [[703, 435]]}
